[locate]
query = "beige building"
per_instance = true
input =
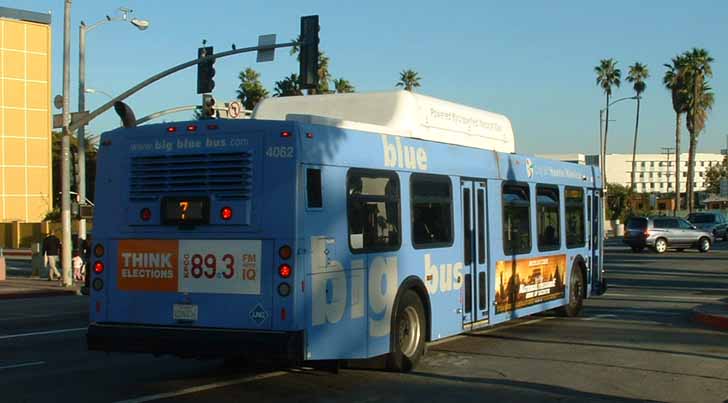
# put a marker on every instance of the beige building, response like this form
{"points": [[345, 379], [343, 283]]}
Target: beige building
{"points": [[25, 115]]}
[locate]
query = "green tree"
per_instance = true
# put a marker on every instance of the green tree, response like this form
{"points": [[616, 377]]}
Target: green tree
{"points": [[409, 79], [56, 156], [700, 101], [608, 76], [343, 86], [675, 81], [251, 90], [617, 200], [638, 73], [714, 174], [287, 87]]}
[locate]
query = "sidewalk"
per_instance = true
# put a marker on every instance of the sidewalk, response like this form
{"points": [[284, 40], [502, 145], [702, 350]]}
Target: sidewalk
{"points": [[24, 287], [714, 315]]}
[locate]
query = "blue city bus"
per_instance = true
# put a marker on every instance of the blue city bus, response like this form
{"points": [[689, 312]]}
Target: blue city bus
{"points": [[307, 241]]}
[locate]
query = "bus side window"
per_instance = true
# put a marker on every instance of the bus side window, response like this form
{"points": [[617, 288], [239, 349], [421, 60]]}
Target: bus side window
{"points": [[314, 195], [373, 210], [431, 204], [575, 234], [548, 217], [516, 218]]}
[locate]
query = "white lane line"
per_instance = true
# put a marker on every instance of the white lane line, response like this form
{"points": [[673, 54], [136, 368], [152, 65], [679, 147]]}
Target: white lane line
{"points": [[20, 317], [490, 330], [603, 316], [203, 388], [25, 364], [13, 336], [686, 298]]}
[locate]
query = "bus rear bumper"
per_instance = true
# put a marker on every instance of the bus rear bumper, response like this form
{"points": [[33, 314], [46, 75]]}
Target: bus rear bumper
{"points": [[194, 341]]}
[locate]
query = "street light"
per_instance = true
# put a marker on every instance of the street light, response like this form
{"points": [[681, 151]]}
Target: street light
{"points": [[83, 29], [602, 141], [95, 91]]}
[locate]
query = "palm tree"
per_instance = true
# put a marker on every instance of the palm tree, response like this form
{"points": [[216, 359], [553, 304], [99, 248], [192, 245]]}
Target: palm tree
{"points": [[287, 87], [251, 90], [343, 86], [409, 79], [674, 81], [700, 102], [608, 76], [638, 73]]}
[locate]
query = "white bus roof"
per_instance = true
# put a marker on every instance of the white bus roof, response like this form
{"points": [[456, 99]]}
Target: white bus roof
{"points": [[401, 113]]}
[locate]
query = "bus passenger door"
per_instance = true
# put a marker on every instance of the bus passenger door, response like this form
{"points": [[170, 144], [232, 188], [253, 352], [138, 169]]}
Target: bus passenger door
{"points": [[475, 274], [595, 239]]}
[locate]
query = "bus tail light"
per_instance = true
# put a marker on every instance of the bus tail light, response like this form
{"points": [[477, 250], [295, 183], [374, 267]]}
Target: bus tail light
{"points": [[97, 284], [285, 270], [191, 128], [145, 214], [285, 252], [286, 134], [284, 289], [99, 250], [283, 313], [98, 267], [226, 213], [171, 129]]}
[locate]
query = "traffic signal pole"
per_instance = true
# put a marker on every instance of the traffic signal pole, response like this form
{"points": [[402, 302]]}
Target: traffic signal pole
{"points": [[65, 151], [133, 90]]}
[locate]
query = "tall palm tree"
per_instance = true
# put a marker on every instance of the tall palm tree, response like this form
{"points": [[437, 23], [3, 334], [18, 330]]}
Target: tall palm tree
{"points": [[638, 73], [409, 79], [608, 76], [675, 81], [700, 102], [251, 90], [287, 87], [343, 86]]}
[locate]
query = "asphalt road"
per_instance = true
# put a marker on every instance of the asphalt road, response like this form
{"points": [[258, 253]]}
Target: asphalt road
{"points": [[635, 343]]}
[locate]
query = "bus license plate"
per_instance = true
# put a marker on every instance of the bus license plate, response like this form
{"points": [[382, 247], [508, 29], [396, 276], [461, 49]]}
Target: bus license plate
{"points": [[184, 312]]}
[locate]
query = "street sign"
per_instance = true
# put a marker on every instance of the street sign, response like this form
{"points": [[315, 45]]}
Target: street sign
{"points": [[75, 116], [266, 55], [234, 109]]}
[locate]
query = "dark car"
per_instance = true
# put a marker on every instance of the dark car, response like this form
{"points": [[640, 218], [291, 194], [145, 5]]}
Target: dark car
{"points": [[710, 221], [660, 233]]}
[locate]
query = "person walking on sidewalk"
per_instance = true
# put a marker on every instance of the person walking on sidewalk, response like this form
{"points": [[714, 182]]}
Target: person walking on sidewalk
{"points": [[51, 250]]}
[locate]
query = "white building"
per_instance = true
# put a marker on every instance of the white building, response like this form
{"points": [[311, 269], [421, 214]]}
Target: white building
{"points": [[655, 173]]}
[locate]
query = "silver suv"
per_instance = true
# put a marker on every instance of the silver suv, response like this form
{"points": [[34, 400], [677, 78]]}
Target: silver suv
{"points": [[660, 233]]}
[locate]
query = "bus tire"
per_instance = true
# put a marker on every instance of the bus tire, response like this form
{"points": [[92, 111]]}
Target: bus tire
{"points": [[408, 333], [576, 294]]}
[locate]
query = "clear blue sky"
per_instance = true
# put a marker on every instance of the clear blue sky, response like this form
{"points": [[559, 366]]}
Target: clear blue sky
{"points": [[532, 61]]}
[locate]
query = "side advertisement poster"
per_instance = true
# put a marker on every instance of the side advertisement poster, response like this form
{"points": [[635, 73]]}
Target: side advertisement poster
{"points": [[528, 282]]}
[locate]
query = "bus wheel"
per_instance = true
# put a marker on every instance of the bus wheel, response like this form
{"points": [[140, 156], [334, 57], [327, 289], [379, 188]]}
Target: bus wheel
{"points": [[408, 334], [576, 294]]}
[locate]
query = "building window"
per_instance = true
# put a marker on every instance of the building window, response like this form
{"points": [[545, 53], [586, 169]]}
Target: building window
{"points": [[684, 174], [574, 217], [431, 202], [652, 163], [516, 219], [642, 175], [547, 216], [652, 185], [659, 174], [373, 210], [642, 164]]}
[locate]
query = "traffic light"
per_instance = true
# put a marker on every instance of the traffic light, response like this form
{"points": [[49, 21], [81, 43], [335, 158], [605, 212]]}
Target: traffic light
{"points": [[208, 106], [309, 56], [205, 71]]}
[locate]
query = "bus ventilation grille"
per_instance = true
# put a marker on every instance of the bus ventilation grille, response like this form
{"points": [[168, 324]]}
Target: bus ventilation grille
{"points": [[227, 176]]}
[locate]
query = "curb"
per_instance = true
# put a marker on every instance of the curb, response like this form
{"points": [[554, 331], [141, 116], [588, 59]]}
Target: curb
{"points": [[35, 294], [717, 321]]}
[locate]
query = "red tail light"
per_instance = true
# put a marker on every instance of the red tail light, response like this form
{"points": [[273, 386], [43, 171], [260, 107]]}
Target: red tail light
{"points": [[285, 270], [145, 214], [284, 252], [98, 267], [226, 213], [286, 134], [191, 128], [171, 129]]}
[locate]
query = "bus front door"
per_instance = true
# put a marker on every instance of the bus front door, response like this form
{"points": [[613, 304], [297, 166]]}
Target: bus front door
{"points": [[475, 270], [595, 240]]}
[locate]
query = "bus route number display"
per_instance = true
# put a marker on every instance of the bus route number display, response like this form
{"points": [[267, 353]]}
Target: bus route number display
{"points": [[185, 210]]}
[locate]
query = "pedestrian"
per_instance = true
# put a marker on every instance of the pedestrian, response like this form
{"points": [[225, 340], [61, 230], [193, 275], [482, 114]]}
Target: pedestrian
{"points": [[51, 251], [78, 267]]}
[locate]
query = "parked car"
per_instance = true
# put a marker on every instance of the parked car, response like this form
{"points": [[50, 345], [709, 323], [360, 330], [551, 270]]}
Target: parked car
{"points": [[661, 233], [711, 221]]}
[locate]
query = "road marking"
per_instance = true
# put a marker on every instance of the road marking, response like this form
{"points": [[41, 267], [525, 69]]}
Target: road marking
{"points": [[490, 330], [25, 364], [20, 317], [612, 294], [203, 388], [603, 316], [13, 336]]}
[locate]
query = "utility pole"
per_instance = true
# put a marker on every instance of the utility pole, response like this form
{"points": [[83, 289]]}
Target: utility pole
{"points": [[667, 151], [65, 150], [81, 130]]}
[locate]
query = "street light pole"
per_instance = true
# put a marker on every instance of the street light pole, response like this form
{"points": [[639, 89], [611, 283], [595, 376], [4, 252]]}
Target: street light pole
{"points": [[65, 150], [81, 135]]}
